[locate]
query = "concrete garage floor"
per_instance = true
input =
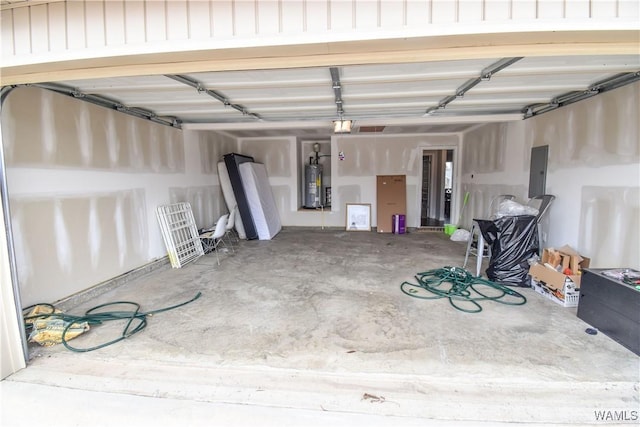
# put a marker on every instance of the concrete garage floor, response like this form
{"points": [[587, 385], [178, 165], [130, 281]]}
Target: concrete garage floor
{"points": [[311, 328]]}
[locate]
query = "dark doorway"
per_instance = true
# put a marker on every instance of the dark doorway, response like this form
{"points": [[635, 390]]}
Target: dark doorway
{"points": [[427, 159], [437, 188]]}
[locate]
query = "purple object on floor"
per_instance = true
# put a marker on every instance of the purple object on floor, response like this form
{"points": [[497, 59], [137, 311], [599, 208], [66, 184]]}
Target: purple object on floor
{"points": [[398, 224]]}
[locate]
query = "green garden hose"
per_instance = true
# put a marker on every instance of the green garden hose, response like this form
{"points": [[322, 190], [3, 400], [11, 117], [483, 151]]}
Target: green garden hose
{"points": [[460, 286], [137, 320]]}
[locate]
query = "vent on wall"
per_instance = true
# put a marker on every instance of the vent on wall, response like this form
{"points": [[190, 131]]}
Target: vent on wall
{"points": [[371, 129]]}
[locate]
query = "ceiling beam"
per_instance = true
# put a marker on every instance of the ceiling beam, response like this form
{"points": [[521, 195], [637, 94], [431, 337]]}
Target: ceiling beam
{"points": [[399, 121], [381, 51]]}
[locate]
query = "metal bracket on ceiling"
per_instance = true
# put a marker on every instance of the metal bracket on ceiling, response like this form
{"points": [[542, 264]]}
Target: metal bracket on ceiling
{"points": [[337, 90], [105, 102], [212, 93], [485, 75], [567, 98]]}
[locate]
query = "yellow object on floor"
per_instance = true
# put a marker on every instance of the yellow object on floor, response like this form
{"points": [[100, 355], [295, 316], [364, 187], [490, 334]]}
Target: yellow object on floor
{"points": [[48, 329]]}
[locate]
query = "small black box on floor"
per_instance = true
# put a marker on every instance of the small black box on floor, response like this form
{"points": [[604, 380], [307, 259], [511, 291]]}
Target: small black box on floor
{"points": [[611, 305]]}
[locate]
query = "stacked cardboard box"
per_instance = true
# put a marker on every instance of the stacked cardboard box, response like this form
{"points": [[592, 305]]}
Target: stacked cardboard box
{"points": [[557, 275]]}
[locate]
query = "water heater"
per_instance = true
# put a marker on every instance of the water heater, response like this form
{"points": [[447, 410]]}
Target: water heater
{"points": [[312, 185]]}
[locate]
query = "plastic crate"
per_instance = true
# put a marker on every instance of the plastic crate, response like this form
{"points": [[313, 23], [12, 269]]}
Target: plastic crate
{"points": [[571, 299]]}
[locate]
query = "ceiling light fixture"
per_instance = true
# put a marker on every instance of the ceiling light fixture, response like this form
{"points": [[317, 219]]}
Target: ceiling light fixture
{"points": [[342, 126]]}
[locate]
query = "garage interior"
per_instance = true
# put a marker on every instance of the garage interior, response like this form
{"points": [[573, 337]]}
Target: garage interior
{"points": [[314, 320]]}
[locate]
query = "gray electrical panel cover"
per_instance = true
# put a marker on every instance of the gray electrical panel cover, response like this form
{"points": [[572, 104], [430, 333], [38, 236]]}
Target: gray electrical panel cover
{"points": [[538, 171]]}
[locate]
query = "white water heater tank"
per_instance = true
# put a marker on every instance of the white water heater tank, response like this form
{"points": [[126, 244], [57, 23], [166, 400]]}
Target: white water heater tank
{"points": [[313, 186]]}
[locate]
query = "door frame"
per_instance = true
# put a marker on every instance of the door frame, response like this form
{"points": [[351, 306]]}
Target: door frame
{"points": [[455, 187], [431, 155]]}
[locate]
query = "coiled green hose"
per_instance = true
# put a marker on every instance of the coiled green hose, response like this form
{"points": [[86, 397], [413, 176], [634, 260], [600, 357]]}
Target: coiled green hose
{"points": [[458, 285], [137, 320]]}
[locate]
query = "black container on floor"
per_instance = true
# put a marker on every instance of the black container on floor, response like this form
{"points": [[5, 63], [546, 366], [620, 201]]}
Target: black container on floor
{"points": [[611, 306]]}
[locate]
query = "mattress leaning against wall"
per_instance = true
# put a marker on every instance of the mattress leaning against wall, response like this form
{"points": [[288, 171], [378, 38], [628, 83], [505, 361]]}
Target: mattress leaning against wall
{"points": [[230, 198], [233, 161], [261, 201]]}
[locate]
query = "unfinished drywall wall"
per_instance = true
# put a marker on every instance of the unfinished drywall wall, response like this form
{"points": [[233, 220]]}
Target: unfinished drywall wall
{"points": [[494, 162], [355, 162], [46, 129], [212, 147], [485, 149], [593, 170], [64, 240], [594, 146], [84, 183], [372, 155], [358, 159], [206, 203], [609, 225], [274, 153], [203, 151], [597, 132]]}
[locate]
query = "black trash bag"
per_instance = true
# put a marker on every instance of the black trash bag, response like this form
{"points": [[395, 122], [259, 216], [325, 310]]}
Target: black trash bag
{"points": [[513, 241]]}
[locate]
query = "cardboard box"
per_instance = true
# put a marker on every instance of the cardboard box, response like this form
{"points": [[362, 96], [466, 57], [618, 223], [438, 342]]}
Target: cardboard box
{"points": [[391, 199], [565, 257]]}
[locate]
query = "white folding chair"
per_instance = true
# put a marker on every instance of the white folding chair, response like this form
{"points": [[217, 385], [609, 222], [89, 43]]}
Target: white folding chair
{"points": [[212, 239], [475, 229], [230, 229]]}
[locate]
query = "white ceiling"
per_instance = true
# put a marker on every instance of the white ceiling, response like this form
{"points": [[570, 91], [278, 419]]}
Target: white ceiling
{"points": [[402, 98]]}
